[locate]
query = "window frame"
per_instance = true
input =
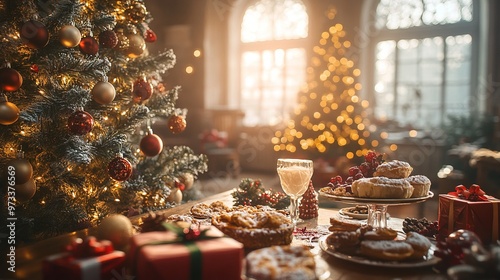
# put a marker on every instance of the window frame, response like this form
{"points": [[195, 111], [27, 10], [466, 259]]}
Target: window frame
{"points": [[373, 36]]}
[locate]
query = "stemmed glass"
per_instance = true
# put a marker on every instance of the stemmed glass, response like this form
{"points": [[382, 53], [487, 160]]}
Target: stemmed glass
{"points": [[295, 175]]}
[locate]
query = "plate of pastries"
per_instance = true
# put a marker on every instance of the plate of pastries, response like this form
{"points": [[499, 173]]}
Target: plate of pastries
{"points": [[377, 181], [382, 247]]}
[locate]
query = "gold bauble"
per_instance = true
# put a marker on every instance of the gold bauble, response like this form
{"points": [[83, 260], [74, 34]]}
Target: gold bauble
{"points": [[70, 36], [187, 179], [175, 196], [117, 229], [9, 113], [136, 47], [137, 12], [23, 170], [26, 191], [103, 93]]}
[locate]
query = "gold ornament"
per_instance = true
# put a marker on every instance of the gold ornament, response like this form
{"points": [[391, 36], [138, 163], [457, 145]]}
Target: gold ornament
{"points": [[187, 179], [123, 41], [137, 12], [177, 124], [9, 113], [117, 229], [103, 93], [23, 170], [70, 36], [136, 45], [175, 196], [26, 191]]}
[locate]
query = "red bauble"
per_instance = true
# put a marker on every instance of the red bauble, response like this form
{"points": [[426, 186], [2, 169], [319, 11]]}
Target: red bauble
{"points": [[34, 34], [120, 169], [178, 184], [34, 68], [142, 90], [80, 123], [150, 36], [151, 145], [177, 124], [89, 45], [10, 79], [108, 39]]}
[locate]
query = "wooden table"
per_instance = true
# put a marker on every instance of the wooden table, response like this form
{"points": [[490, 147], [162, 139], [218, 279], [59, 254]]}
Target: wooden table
{"points": [[28, 259]]}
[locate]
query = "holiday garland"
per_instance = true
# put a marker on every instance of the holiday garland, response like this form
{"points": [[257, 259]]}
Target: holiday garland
{"points": [[251, 193]]}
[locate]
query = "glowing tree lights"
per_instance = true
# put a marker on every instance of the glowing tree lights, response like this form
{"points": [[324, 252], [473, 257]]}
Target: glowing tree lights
{"points": [[330, 114]]}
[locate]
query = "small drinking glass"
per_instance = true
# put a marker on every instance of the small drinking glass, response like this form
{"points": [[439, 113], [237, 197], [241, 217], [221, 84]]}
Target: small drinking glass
{"points": [[295, 175]]}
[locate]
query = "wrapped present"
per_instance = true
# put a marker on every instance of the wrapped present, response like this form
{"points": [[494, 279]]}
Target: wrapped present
{"points": [[470, 209], [185, 254], [86, 259]]}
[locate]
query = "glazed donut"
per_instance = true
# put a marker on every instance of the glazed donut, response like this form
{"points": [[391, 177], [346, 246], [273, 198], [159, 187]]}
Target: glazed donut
{"points": [[389, 250], [419, 243], [340, 224], [380, 234], [382, 187], [421, 185], [395, 169], [343, 239]]}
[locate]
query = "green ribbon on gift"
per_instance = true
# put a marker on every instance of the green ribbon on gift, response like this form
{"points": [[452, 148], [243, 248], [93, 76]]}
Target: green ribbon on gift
{"points": [[187, 236]]}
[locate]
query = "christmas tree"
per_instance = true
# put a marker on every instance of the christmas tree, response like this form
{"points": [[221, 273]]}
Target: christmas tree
{"points": [[79, 95], [331, 118], [308, 207]]}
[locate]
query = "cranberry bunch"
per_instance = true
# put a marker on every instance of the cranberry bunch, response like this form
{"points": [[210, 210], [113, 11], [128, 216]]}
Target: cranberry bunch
{"points": [[372, 161], [336, 182], [422, 226]]}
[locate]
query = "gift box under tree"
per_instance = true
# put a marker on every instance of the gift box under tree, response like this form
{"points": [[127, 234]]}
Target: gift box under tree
{"points": [[471, 210], [86, 259], [190, 254]]}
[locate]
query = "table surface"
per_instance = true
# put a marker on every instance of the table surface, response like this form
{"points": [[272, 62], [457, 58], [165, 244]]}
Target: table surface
{"points": [[28, 258]]}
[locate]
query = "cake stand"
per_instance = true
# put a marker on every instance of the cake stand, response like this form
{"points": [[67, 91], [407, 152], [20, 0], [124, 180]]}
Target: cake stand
{"points": [[377, 207]]}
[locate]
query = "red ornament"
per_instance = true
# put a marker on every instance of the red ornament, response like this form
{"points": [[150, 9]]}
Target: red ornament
{"points": [[177, 124], [34, 34], [150, 36], [88, 45], [142, 90], [120, 169], [10, 79], [151, 145], [80, 123], [34, 68], [178, 184], [108, 39]]}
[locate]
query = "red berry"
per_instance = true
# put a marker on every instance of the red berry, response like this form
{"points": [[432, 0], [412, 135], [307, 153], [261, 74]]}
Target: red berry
{"points": [[358, 176], [353, 170]]}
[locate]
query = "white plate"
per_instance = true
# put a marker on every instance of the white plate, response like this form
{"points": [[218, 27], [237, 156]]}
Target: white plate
{"points": [[346, 212], [428, 260], [388, 201]]}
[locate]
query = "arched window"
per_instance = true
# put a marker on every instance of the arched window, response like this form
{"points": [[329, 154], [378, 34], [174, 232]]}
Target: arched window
{"points": [[425, 61], [272, 66]]}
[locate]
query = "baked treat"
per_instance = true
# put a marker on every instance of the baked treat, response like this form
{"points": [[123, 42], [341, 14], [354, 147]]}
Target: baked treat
{"points": [[421, 185], [343, 239], [382, 187], [255, 228], [280, 263], [419, 243], [340, 224], [388, 250], [380, 234], [205, 211], [395, 169]]}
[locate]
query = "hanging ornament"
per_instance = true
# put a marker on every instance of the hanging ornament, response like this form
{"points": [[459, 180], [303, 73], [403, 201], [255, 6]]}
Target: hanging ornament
{"points": [[23, 169], [116, 228], [34, 34], [175, 196], [10, 79], [26, 191], [80, 122], [137, 12], [187, 179], [151, 145], [34, 68], [108, 39], [177, 124], [150, 36], [120, 168], [142, 90], [103, 93], [88, 45], [9, 113], [70, 36], [136, 46], [123, 41]]}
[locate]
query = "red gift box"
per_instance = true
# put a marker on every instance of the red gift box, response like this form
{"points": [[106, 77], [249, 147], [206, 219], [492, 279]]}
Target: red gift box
{"points": [[151, 258], [101, 265], [481, 217]]}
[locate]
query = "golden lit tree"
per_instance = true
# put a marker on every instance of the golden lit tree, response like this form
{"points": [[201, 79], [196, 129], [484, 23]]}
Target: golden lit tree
{"points": [[331, 118], [79, 95]]}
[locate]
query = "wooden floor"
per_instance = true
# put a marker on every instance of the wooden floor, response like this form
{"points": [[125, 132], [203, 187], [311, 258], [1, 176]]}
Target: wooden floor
{"points": [[210, 186]]}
